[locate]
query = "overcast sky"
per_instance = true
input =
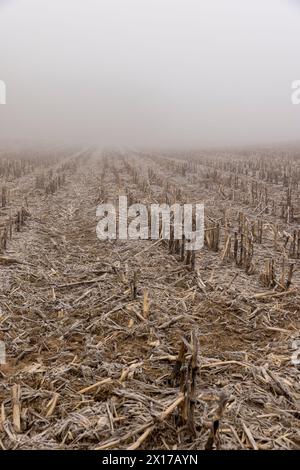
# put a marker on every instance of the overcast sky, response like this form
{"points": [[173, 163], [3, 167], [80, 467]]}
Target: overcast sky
{"points": [[150, 72]]}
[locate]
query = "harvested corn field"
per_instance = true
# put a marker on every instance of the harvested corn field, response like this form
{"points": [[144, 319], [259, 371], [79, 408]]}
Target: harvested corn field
{"points": [[141, 344]]}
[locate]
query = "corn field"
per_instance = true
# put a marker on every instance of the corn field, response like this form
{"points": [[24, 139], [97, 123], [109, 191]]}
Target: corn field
{"points": [[142, 344]]}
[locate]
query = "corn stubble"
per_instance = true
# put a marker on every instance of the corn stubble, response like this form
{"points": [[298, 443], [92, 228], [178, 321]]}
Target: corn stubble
{"points": [[145, 344]]}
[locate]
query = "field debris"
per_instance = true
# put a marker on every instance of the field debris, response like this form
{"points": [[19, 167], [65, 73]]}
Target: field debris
{"points": [[141, 344]]}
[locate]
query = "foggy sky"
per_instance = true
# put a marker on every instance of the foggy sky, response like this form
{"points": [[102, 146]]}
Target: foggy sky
{"points": [[150, 72]]}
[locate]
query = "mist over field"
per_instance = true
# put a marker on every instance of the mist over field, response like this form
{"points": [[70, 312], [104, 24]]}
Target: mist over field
{"points": [[149, 228], [150, 72]]}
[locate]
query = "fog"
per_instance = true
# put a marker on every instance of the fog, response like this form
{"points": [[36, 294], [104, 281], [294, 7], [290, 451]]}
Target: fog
{"points": [[182, 73]]}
